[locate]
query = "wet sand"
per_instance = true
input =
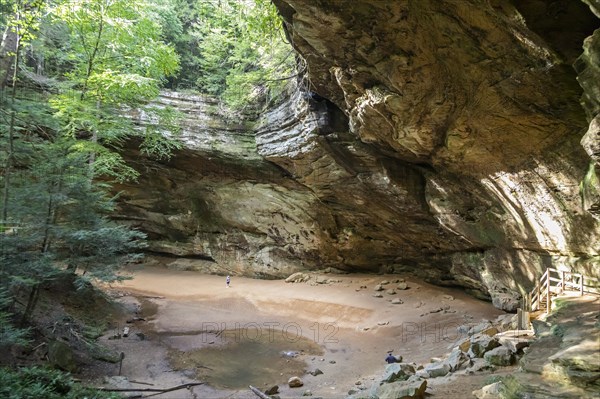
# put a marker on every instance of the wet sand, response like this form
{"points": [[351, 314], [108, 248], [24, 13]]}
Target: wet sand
{"points": [[197, 329]]}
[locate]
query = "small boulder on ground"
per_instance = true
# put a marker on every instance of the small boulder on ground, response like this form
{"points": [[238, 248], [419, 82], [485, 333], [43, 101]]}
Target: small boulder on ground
{"points": [[397, 372], [402, 389], [315, 372], [402, 286], [476, 329], [541, 328], [298, 277], [397, 301], [456, 359], [378, 287], [273, 390], [439, 369], [477, 365], [481, 344], [321, 280], [295, 382], [514, 340], [61, 356], [492, 391], [500, 356]]}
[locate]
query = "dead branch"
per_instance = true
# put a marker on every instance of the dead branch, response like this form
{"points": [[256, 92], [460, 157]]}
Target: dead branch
{"points": [[140, 382], [160, 391], [259, 393]]}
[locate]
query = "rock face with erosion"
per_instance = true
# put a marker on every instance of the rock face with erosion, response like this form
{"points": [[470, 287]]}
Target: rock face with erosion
{"points": [[443, 138]]}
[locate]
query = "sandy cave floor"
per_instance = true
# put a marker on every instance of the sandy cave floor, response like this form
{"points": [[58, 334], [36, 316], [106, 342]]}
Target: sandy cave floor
{"points": [[196, 329]]}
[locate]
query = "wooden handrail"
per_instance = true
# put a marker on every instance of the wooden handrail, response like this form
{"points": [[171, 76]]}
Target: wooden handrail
{"points": [[548, 285]]}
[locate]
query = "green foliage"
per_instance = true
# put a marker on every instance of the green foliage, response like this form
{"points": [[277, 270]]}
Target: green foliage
{"points": [[118, 61], [9, 334], [62, 219], [229, 48], [22, 17], [558, 330], [35, 382]]}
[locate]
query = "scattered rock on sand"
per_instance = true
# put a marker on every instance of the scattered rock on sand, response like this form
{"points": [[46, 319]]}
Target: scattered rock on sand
{"points": [[295, 382], [476, 329], [384, 282], [378, 295], [437, 369], [506, 322], [402, 389], [482, 344], [315, 372], [477, 365], [500, 356], [378, 287], [391, 292], [490, 332], [273, 390], [402, 286], [491, 391], [308, 392], [398, 372], [516, 341], [448, 297], [321, 280], [397, 301], [298, 277], [456, 359]]}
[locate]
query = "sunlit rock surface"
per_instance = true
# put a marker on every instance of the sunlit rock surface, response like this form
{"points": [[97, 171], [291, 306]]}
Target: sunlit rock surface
{"points": [[440, 138]]}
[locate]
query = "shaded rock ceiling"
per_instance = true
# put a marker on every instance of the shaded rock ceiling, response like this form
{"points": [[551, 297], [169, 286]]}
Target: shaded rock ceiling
{"points": [[435, 137]]}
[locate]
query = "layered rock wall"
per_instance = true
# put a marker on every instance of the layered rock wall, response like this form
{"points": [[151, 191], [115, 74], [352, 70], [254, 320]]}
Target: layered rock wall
{"points": [[434, 137]]}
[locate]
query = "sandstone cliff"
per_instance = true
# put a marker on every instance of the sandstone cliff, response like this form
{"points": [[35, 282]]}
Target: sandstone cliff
{"points": [[436, 137]]}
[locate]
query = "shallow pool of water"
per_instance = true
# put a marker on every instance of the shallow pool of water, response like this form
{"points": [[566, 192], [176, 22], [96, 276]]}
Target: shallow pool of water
{"points": [[248, 357]]}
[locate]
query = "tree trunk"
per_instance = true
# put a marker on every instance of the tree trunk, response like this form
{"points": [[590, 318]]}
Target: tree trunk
{"points": [[11, 130], [8, 46], [34, 295]]}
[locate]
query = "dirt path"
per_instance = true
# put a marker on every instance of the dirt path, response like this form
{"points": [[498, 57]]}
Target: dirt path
{"points": [[339, 328]]}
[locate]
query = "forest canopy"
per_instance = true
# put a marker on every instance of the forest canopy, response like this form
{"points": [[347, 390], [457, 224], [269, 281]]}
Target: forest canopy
{"points": [[69, 72]]}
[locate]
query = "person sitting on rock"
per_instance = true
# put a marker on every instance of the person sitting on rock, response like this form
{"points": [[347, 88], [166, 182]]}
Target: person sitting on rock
{"points": [[391, 358]]}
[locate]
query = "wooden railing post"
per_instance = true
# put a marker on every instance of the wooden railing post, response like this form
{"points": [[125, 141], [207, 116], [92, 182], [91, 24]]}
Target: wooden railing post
{"points": [[548, 299], [562, 281], [581, 284]]}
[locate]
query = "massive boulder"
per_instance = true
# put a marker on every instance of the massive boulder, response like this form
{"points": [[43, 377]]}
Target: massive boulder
{"points": [[436, 137]]}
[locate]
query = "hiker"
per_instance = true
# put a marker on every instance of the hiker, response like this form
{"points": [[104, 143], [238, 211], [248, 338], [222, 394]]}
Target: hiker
{"points": [[227, 281], [391, 358]]}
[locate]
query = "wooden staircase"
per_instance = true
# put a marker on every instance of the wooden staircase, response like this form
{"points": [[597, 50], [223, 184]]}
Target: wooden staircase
{"points": [[558, 282]]}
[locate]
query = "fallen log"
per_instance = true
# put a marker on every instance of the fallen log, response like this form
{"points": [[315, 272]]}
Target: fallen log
{"points": [[259, 393], [140, 382], [159, 390]]}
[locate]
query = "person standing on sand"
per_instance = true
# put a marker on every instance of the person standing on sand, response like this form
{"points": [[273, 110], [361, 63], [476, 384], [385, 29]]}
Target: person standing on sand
{"points": [[227, 281]]}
